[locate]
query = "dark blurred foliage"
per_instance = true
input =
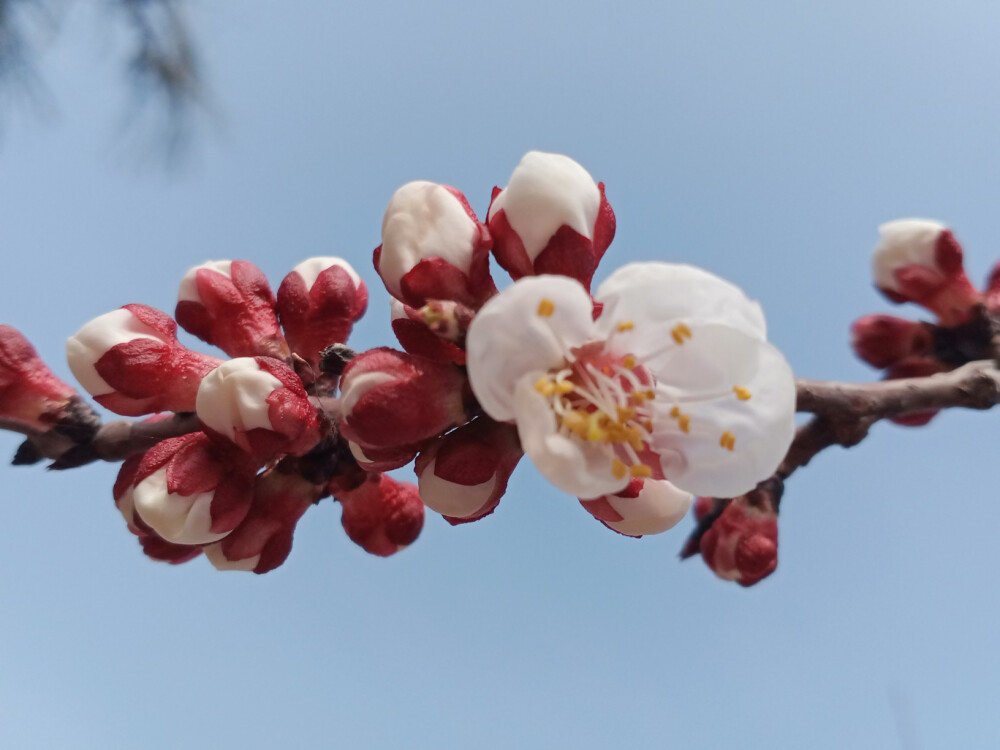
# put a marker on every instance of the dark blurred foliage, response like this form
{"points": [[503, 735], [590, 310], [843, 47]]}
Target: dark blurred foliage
{"points": [[160, 62]]}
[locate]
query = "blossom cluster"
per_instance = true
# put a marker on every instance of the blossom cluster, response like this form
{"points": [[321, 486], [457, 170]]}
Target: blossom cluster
{"points": [[232, 488], [921, 261], [635, 397], [657, 387]]}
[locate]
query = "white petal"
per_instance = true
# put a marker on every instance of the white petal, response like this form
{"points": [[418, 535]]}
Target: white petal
{"points": [[218, 559], [659, 506], [545, 192], [233, 397], [450, 498], [700, 377], [424, 220], [188, 291], [656, 296], [580, 468], [310, 269], [508, 337], [176, 518], [91, 342], [904, 242]]}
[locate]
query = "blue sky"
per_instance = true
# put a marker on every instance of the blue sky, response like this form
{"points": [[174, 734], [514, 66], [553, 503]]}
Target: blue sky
{"points": [[763, 141]]}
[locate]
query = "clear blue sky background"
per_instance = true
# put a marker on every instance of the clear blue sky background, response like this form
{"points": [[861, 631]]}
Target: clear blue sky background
{"points": [[764, 141]]}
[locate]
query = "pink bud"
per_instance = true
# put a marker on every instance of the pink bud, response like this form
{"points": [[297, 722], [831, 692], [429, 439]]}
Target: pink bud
{"points": [[434, 247], [382, 516], [430, 331], [921, 261], [551, 218], [263, 540], [29, 391], [390, 398], [915, 367], [646, 506], [229, 304], [154, 546], [193, 490], [130, 361], [259, 404], [463, 475], [318, 303], [742, 544], [881, 340]]}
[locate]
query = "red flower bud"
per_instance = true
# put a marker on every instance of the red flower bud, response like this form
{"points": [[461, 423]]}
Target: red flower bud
{"points": [[921, 261], [434, 247], [742, 544], [153, 545], [29, 391], [882, 340], [131, 362], [229, 304], [193, 490], [263, 540], [382, 516], [259, 404], [463, 475], [318, 303], [390, 399], [550, 219], [993, 290]]}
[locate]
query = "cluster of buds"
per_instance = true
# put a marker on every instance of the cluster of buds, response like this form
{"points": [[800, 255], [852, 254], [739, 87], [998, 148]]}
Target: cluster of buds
{"points": [[920, 261], [267, 443]]}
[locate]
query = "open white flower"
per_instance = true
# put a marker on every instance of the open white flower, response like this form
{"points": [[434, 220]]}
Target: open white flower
{"points": [[673, 380]]}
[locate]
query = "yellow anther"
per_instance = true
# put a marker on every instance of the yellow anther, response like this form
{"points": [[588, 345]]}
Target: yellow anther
{"points": [[649, 394], [675, 412], [545, 308], [728, 440], [563, 387], [545, 386], [595, 432], [626, 325], [680, 332], [640, 470], [576, 422], [618, 469], [629, 361], [635, 438], [741, 393], [648, 425], [625, 413], [684, 422]]}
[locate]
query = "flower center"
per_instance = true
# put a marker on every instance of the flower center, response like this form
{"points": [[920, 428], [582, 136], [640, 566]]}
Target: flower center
{"points": [[600, 397]]}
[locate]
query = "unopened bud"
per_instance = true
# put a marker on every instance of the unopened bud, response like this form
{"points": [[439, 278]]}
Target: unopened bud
{"points": [[229, 304], [130, 361], [29, 391], [882, 340], [551, 218], [742, 545], [382, 516]]}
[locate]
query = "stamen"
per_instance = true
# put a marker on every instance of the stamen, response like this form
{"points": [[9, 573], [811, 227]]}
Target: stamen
{"points": [[680, 332], [629, 361], [640, 470], [728, 440], [675, 412], [563, 387], [545, 386], [684, 422], [618, 469], [625, 325], [741, 393], [545, 308]]}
